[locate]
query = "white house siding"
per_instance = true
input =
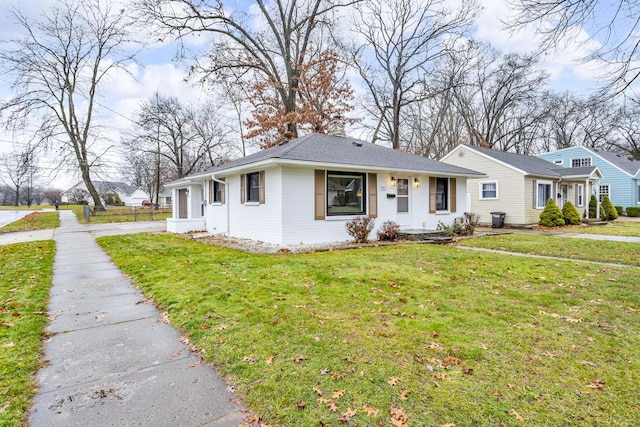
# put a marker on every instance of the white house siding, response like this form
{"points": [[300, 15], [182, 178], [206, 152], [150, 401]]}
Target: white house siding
{"points": [[511, 188], [195, 220], [256, 221], [137, 197]]}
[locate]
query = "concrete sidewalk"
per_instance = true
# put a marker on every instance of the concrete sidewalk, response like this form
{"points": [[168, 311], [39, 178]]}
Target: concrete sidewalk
{"points": [[111, 360]]}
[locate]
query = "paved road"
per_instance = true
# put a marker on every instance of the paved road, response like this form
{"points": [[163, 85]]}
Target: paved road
{"points": [[7, 217]]}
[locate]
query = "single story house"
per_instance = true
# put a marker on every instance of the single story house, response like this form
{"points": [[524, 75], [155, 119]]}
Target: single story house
{"points": [[520, 186], [130, 195], [621, 179], [307, 189]]}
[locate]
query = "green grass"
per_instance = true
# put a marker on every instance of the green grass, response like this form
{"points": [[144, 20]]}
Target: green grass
{"points": [[122, 214], [619, 227], [561, 247], [34, 221], [443, 334], [25, 279], [25, 208]]}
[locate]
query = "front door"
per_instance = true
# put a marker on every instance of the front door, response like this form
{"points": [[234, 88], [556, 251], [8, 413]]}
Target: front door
{"points": [[182, 204], [565, 195], [403, 216]]}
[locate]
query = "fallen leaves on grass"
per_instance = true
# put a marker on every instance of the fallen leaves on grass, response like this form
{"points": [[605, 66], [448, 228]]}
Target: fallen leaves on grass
{"points": [[299, 358], [370, 410], [596, 384], [404, 394], [517, 415], [338, 394], [393, 381], [399, 417], [345, 417]]}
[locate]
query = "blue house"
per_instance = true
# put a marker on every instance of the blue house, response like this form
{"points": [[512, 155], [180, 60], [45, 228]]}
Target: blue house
{"points": [[621, 177]]}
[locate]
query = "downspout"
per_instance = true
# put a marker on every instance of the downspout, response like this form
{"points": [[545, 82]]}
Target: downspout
{"points": [[227, 200]]}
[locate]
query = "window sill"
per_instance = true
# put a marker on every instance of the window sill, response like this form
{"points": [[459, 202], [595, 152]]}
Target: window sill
{"points": [[442, 212], [216, 204], [341, 217], [252, 203], [488, 198]]}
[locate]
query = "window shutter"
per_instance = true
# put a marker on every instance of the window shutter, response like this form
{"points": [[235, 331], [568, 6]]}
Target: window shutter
{"points": [[319, 193], [432, 194], [453, 195], [535, 190], [243, 194], [223, 190], [373, 195], [261, 188], [210, 200]]}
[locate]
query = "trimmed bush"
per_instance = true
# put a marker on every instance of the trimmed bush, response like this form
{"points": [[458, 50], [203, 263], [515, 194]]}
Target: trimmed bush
{"points": [[551, 215], [633, 211], [389, 231], [570, 214], [593, 207], [609, 210], [619, 209], [359, 228], [603, 213]]}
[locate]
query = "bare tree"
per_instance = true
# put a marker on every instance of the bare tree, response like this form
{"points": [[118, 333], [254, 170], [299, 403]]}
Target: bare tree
{"points": [[402, 42], [498, 100], [171, 141], [19, 169], [57, 68], [614, 24], [267, 43]]}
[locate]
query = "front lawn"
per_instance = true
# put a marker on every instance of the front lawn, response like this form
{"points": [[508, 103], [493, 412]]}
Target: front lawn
{"points": [[561, 247], [34, 221], [26, 270], [619, 227], [413, 335]]}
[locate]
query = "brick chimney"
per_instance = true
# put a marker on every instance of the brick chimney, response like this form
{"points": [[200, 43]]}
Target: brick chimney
{"points": [[336, 127]]}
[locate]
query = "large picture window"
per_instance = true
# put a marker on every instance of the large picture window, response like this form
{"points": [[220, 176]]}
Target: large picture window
{"points": [[581, 162], [543, 193], [345, 193]]}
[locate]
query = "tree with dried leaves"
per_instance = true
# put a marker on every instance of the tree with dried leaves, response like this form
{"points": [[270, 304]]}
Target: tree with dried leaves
{"points": [[612, 24], [57, 68], [402, 40], [322, 94], [268, 43]]}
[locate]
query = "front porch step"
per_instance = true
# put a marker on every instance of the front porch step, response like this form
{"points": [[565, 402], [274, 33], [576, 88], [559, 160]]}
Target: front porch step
{"points": [[439, 236]]}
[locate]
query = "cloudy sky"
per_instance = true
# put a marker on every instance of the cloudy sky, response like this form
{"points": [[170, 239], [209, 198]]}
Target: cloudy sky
{"points": [[156, 70]]}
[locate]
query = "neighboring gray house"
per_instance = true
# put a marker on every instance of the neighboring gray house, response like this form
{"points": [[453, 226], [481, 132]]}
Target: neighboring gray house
{"points": [[305, 190], [519, 185]]}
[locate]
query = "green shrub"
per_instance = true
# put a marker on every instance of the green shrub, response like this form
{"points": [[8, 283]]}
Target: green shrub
{"points": [[118, 201], [551, 215], [593, 207], [619, 209], [110, 200], [609, 210], [633, 211], [603, 213], [570, 214], [359, 228]]}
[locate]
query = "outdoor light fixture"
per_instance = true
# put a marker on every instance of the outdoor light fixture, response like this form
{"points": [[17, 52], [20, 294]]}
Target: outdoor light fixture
{"points": [[393, 181], [416, 182]]}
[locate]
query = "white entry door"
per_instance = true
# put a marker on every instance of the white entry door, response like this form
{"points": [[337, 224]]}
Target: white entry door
{"points": [[403, 215]]}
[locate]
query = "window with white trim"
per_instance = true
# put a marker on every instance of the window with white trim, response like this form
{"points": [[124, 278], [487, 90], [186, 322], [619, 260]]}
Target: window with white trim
{"points": [[604, 190], [580, 162], [580, 195], [489, 190], [543, 190], [558, 162]]}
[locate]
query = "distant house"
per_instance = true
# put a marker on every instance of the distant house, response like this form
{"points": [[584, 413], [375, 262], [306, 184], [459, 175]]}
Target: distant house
{"points": [[519, 185], [621, 179], [307, 189], [130, 195]]}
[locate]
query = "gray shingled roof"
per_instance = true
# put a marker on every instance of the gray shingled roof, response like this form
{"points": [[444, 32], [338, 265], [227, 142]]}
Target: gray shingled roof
{"points": [[620, 161], [581, 171], [330, 149], [529, 164]]}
